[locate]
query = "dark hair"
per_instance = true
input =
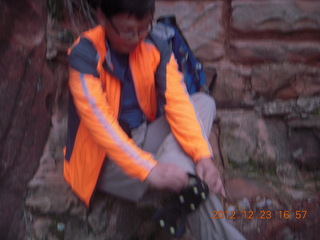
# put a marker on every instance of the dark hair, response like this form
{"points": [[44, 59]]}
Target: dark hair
{"points": [[137, 8]]}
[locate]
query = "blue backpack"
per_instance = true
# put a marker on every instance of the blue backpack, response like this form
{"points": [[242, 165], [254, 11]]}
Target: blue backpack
{"points": [[189, 65]]}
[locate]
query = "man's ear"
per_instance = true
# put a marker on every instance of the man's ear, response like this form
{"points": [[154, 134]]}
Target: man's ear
{"points": [[102, 20]]}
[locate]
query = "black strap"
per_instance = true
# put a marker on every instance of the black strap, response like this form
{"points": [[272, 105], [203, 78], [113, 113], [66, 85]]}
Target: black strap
{"points": [[172, 217]]}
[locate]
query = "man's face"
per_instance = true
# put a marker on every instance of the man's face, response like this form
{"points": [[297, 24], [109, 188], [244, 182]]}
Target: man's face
{"points": [[124, 31]]}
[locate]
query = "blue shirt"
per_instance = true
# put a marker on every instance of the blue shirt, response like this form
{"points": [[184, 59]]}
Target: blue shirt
{"points": [[130, 112]]}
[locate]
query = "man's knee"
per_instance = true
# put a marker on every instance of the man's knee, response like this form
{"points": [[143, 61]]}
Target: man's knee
{"points": [[203, 101]]}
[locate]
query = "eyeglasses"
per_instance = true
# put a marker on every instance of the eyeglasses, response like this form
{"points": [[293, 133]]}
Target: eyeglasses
{"points": [[131, 34]]}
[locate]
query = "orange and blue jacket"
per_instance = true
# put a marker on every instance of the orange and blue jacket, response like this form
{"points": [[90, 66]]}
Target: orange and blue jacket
{"points": [[93, 129]]}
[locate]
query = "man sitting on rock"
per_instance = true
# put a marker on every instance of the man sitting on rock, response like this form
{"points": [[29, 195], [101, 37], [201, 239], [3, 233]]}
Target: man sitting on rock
{"points": [[132, 126]]}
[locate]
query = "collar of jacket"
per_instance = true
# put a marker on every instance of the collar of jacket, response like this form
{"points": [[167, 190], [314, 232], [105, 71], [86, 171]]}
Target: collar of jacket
{"points": [[143, 62]]}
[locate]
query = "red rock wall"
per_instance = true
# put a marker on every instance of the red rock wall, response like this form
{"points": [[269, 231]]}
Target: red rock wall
{"points": [[267, 56], [27, 90]]}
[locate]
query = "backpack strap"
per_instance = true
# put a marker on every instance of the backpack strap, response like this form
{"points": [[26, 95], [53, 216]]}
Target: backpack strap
{"points": [[189, 65]]}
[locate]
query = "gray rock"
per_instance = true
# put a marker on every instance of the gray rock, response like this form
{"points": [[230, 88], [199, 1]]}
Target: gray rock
{"points": [[301, 108], [244, 204], [245, 137]]}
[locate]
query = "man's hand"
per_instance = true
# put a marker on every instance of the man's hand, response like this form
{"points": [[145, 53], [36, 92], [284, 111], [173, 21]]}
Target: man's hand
{"points": [[207, 172], [166, 176]]}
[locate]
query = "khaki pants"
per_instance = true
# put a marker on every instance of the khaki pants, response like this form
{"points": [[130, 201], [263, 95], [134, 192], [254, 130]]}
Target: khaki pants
{"points": [[157, 139]]}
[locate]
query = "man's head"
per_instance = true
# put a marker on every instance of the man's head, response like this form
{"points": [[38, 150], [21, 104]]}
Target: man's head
{"points": [[126, 22]]}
